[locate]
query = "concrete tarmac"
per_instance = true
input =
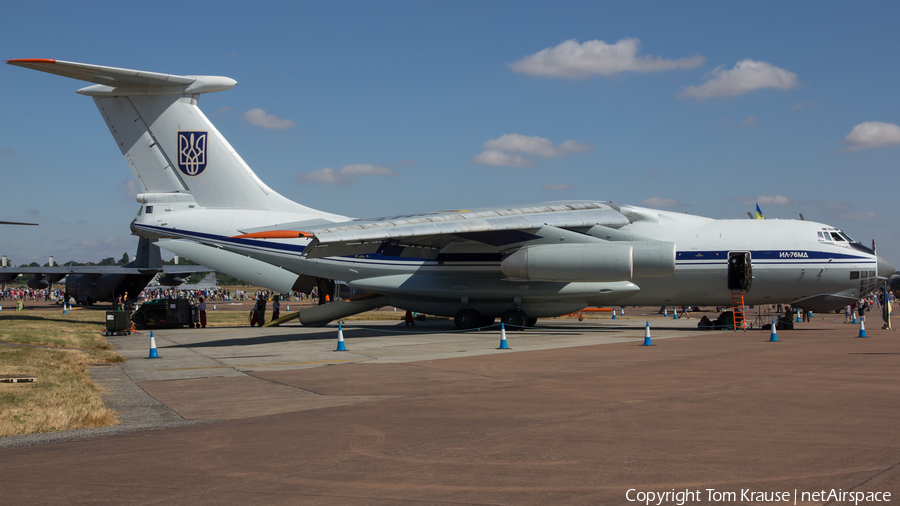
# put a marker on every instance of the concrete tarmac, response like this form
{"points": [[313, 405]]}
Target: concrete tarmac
{"points": [[572, 415]]}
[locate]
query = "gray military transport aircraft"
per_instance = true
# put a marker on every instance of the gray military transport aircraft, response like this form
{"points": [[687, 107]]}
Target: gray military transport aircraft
{"points": [[516, 263], [88, 284]]}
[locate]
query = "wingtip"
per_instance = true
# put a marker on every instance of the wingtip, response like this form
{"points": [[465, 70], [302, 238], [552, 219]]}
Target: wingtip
{"points": [[30, 60]]}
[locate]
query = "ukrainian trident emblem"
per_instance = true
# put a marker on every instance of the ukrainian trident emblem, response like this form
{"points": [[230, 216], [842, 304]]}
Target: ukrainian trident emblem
{"points": [[192, 152]]}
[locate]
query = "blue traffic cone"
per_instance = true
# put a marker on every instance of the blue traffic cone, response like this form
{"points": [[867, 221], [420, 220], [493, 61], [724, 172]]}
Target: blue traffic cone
{"points": [[854, 318], [153, 352], [614, 314], [666, 312], [647, 341], [289, 307], [773, 337], [1, 307], [341, 346], [214, 307], [503, 344], [623, 312], [64, 308], [674, 312], [799, 318], [862, 329]]}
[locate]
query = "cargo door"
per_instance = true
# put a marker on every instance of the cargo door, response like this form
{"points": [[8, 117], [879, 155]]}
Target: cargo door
{"points": [[740, 272]]}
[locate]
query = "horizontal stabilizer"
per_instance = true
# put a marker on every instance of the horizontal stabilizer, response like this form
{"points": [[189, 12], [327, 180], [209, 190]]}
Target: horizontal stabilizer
{"points": [[242, 267], [119, 81]]}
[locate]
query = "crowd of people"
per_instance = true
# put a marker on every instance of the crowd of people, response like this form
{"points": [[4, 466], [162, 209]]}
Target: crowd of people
{"points": [[30, 294], [218, 294]]}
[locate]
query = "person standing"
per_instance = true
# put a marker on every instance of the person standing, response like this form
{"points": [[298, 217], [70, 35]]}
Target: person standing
{"points": [[202, 309], [259, 311], [276, 307], [861, 309]]}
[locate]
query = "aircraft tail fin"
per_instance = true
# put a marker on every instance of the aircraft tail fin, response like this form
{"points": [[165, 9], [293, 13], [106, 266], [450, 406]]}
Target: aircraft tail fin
{"points": [[170, 145], [148, 255]]}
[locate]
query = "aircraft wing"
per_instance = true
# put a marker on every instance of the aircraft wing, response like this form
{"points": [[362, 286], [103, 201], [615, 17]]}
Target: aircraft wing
{"points": [[180, 269], [495, 227], [60, 271]]}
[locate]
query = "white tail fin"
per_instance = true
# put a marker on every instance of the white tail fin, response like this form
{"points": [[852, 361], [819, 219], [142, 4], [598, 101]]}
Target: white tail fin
{"points": [[167, 141]]}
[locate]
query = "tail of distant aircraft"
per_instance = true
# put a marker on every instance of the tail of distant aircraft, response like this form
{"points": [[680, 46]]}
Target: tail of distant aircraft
{"points": [[148, 255], [170, 145]]}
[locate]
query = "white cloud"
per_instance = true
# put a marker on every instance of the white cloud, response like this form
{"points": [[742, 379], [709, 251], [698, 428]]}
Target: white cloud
{"points": [[501, 159], [749, 121], [661, 202], [873, 134], [258, 117], [535, 146], [129, 189], [558, 187], [860, 216], [764, 200], [777, 200], [346, 174], [747, 75], [501, 152], [573, 60]]}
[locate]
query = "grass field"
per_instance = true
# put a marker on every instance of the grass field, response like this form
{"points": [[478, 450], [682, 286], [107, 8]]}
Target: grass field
{"points": [[57, 349]]}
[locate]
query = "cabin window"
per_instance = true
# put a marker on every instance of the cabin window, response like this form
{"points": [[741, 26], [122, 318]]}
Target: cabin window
{"points": [[854, 274], [149, 210], [871, 274]]}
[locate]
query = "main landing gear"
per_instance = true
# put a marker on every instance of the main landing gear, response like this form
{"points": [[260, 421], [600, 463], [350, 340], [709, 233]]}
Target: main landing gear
{"points": [[470, 319]]}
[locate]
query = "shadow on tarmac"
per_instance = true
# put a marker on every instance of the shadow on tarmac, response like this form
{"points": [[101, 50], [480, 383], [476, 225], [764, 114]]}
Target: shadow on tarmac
{"points": [[360, 332]]}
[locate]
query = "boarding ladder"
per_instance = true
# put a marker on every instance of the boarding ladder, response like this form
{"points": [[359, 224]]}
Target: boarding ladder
{"points": [[737, 305]]}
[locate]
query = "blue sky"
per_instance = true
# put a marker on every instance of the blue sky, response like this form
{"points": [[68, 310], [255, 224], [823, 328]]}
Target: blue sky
{"points": [[698, 107]]}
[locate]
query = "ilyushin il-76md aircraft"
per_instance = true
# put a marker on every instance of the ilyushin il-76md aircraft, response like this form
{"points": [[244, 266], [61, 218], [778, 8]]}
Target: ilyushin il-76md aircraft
{"points": [[516, 263]]}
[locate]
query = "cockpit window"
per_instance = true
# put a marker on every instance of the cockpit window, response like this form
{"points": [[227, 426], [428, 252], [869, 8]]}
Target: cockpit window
{"points": [[833, 235]]}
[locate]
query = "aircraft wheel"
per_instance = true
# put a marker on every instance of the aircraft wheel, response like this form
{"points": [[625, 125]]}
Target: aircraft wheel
{"points": [[514, 318], [531, 322], [467, 319]]}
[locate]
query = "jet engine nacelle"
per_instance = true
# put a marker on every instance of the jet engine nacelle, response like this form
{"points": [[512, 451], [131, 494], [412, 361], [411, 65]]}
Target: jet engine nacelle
{"points": [[170, 280], [38, 283], [591, 262]]}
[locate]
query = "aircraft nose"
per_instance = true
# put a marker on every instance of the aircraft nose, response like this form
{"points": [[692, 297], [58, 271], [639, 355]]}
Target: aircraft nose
{"points": [[885, 268]]}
